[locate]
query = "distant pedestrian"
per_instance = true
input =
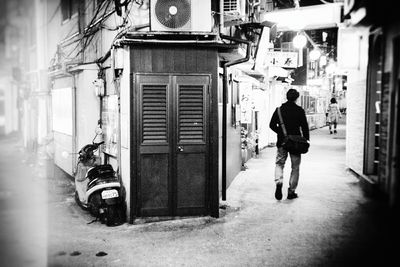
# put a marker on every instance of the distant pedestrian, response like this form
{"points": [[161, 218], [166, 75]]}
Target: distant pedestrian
{"points": [[333, 114], [295, 121]]}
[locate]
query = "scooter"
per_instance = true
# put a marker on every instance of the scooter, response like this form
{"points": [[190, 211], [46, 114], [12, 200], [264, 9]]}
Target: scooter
{"points": [[97, 188]]}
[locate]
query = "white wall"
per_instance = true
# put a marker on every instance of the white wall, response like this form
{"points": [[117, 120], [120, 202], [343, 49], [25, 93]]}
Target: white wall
{"points": [[87, 107], [10, 120], [353, 58], [63, 130], [125, 134]]}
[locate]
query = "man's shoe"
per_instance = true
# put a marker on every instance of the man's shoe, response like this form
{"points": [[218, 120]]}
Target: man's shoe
{"points": [[278, 191], [291, 194]]}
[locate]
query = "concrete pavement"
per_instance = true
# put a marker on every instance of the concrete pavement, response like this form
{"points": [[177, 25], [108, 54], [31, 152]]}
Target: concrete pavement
{"points": [[23, 212], [332, 223]]}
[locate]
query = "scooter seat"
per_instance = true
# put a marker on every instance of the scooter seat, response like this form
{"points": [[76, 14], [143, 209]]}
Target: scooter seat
{"points": [[100, 171], [102, 174], [101, 182]]}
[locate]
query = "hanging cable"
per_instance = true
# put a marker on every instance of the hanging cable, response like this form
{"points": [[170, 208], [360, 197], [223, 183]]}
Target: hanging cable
{"points": [[326, 2]]}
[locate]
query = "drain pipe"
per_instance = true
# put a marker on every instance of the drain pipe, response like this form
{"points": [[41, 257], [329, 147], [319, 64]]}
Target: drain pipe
{"points": [[225, 103]]}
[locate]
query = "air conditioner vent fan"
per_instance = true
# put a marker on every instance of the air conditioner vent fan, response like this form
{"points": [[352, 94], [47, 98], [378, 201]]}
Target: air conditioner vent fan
{"points": [[173, 13]]}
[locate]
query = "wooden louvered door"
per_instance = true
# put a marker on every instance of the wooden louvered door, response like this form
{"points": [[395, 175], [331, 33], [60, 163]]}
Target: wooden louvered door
{"points": [[154, 146], [191, 142], [172, 144]]}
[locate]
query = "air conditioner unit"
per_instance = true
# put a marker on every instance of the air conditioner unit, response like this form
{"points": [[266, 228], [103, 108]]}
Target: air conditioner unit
{"points": [[180, 15]]}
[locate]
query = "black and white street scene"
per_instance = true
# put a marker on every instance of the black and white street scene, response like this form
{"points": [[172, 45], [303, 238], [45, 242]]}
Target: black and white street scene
{"points": [[199, 133]]}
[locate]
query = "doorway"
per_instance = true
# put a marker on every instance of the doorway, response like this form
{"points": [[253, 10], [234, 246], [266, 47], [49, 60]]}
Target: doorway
{"points": [[171, 161], [393, 149], [373, 109]]}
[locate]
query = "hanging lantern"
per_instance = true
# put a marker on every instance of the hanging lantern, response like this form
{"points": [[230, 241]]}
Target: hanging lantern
{"points": [[315, 54], [299, 41]]}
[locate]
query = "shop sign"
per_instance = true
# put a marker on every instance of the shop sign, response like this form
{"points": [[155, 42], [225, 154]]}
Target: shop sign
{"points": [[246, 102], [281, 59]]}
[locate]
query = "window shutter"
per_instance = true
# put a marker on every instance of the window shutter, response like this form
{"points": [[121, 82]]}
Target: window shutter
{"points": [[154, 114], [191, 114]]}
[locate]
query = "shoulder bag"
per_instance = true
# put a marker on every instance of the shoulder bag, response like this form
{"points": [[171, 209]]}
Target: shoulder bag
{"points": [[295, 144]]}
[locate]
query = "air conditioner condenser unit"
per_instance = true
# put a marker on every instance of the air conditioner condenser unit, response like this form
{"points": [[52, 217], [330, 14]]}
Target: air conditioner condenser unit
{"points": [[180, 15]]}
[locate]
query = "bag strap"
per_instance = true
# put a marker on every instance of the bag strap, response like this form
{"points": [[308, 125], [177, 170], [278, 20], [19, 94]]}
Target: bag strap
{"points": [[278, 109]]}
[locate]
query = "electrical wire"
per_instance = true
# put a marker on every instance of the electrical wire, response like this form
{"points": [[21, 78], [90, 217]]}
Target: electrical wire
{"points": [[127, 15], [67, 57], [326, 2], [90, 34], [93, 27]]}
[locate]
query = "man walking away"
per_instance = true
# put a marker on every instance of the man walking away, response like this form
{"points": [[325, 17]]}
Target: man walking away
{"points": [[295, 122]]}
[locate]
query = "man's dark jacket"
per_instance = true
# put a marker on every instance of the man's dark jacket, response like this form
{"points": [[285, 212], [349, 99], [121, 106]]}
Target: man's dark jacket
{"points": [[294, 119]]}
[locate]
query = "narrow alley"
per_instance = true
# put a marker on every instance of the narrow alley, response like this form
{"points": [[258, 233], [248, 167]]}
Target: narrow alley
{"points": [[155, 115], [331, 223]]}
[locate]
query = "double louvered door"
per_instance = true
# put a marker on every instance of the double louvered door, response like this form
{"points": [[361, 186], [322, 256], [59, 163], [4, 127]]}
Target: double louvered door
{"points": [[172, 142]]}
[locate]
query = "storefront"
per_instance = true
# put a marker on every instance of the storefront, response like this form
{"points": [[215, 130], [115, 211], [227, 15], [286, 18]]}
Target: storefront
{"points": [[373, 96]]}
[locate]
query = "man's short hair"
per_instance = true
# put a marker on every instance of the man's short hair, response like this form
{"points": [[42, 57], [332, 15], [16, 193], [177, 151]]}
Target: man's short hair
{"points": [[292, 95]]}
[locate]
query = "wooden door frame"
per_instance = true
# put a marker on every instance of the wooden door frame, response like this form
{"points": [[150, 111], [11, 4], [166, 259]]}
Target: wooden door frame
{"points": [[134, 144], [376, 43]]}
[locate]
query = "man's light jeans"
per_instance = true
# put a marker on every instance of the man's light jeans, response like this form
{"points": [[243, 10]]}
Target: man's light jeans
{"points": [[281, 157]]}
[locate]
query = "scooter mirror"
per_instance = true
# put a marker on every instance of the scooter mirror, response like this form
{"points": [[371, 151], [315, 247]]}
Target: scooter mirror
{"points": [[99, 131], [65, 154]]}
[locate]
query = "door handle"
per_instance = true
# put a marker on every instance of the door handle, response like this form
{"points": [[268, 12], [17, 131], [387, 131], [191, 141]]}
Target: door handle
{"points": [[180, 148]]}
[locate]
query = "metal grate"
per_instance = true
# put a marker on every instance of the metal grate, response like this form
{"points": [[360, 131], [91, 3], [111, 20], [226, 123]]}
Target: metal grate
{"points": [[191, 113], [154, 114]]}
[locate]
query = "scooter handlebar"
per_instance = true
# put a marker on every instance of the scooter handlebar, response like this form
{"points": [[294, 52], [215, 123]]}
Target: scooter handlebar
{"points": [[98, 144], [88, 149]]}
